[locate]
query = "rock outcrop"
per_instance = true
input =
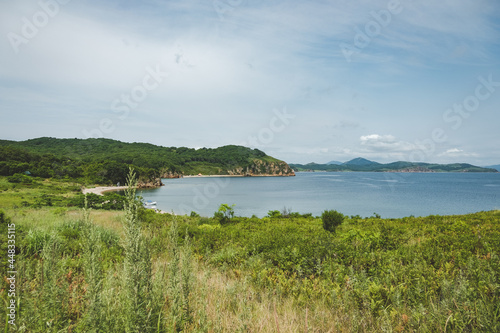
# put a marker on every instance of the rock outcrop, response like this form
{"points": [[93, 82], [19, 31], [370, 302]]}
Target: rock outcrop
{"points": [[152, 183], [170, 174], [261, 168]]}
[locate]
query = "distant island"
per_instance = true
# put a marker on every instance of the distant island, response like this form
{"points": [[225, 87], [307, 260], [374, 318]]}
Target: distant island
{"points": [[106, 161], [362, 164], [496, 167]]}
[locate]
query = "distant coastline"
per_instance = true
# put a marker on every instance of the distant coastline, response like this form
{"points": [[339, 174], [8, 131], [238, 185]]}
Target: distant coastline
{"points": [[363, 165], [100, 190], [229, 176]]}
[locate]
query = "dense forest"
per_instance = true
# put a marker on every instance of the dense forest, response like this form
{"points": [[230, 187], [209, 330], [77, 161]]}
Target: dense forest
{"points": [[106, 161]]}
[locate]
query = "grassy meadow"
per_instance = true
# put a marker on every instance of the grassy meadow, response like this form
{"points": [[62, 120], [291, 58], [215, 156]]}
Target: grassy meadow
{"points": [[132, 270]]}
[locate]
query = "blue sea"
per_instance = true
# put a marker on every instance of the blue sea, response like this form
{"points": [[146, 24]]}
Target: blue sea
{"points": [[390, 195]]}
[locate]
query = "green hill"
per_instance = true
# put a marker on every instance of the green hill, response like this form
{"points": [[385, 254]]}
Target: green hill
{"points": [[107, 161], [361, 164]]}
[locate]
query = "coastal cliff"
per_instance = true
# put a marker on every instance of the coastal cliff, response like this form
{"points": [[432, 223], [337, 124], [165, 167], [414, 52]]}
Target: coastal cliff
{"points": [[257, 168], [260, 168], [150, 183], [165, 173]]}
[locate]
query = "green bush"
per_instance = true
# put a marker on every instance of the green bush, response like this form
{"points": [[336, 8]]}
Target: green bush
{"points": [[108, 201], [224, 214], [19, 178], [331, 220], [274, 214]]}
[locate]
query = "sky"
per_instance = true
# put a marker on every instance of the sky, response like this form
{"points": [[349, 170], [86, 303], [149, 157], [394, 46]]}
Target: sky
{"points": [[303, 81]]}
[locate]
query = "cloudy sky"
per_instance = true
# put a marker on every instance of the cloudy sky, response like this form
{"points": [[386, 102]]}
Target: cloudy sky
{"points": [[303, 81]]}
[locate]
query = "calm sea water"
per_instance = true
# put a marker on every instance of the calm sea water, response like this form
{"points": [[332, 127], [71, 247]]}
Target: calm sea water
{"points": [[357, 193]]}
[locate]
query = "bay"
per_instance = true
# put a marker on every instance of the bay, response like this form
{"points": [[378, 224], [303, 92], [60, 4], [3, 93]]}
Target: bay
{"points": [[390, 195]]}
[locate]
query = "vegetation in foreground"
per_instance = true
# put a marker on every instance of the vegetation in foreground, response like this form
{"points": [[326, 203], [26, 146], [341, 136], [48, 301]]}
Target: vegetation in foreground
{"points": [[84, 271]]}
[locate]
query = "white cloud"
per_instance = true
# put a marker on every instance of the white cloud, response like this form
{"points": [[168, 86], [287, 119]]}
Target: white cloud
{"points": [[226, 75], [376, 142], [453, 151], [456, 152]]}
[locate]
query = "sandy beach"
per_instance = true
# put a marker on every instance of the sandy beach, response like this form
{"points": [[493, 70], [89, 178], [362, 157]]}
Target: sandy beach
{"points": [[102, 189], [211, 176]]}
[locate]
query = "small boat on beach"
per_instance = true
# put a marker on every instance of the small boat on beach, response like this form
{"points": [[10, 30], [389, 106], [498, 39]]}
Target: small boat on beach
{"points": [[150, 204]]}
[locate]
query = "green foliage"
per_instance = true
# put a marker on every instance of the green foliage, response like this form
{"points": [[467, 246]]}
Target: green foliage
{"points": [[137, 266], [286, 213], [94, 275], [421, 269], [274, 214], [20, 178], [331, 220], [224, 214], [395, 166], [180, 280], [105, 161], [108, 201], [421, 274]]}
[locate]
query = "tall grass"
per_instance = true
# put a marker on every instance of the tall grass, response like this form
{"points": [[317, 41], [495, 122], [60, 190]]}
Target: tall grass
{"points": [[91, 257], [180, 280], [137, 267]]}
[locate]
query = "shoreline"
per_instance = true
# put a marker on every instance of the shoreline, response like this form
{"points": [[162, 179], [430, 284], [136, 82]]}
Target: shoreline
{"points": [[231, 176], [100, 190]]}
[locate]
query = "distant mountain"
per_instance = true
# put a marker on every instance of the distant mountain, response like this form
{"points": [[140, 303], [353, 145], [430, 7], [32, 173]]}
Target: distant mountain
{"points": [[360, 162], [334, 163], [496, 167]]}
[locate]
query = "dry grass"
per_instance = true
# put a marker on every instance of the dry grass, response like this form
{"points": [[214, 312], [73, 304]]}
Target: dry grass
{"points": [[50, 217], [234, 305], [109, 219]]}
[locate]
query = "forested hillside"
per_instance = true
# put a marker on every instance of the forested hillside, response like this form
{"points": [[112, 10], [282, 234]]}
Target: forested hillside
{"points": [[400, 166], [107, 161]]}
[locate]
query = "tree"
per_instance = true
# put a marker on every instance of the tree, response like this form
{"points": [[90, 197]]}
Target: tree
{"points": [[225, 213], [331, 220]]}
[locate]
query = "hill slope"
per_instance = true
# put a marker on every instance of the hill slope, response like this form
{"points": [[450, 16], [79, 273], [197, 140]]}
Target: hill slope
{"points": [[496, 167], [48, 157], [361, 164]]}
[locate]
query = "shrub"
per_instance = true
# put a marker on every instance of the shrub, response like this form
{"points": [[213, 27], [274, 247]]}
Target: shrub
{"points": [[224, 214], [274, 214], [19, 178], [331, 220]]}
